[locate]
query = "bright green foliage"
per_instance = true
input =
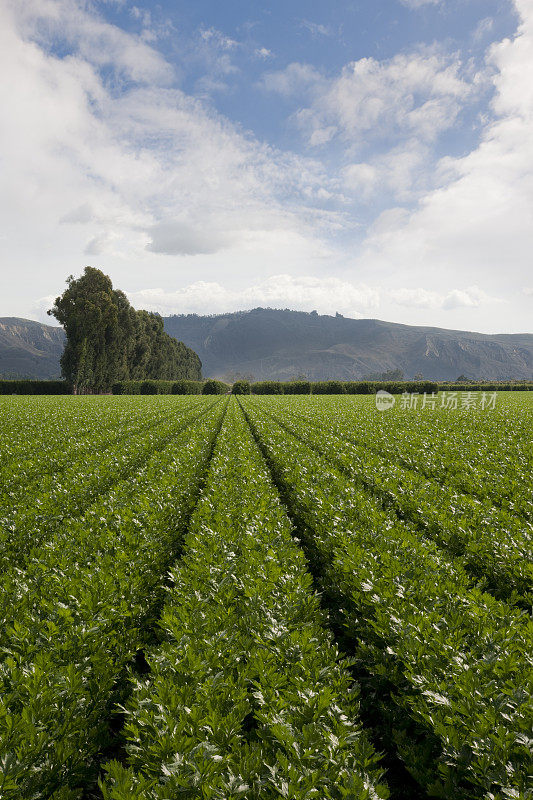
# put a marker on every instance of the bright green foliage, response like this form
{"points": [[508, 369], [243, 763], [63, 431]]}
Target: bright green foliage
{"points": [[485, 453], [457, 663], [182, 529], [246, 697], [493, 544], [75, 617], [67, 493]]}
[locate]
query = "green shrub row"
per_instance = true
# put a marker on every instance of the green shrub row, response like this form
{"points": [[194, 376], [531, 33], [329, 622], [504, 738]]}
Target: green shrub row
{"points": [[342, 387], [445, 664], [486, 387], [34, 387], [24, 386], [170, 387], [246, 697]]}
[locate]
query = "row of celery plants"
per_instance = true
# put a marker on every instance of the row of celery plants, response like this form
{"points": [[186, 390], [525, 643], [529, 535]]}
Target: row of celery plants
{"points": [[485, 453], [68, 494], [74, 620], [246, 696], [64, 439], [492, 544], [450, 665]]}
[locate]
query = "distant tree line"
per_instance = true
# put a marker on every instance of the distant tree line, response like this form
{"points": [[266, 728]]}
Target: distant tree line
{"points": [[109, 341]]}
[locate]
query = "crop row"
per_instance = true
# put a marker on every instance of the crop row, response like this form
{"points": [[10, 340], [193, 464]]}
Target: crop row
{"points": [[69, 493], [30, 426], [246, 697], [484, 453], [73, 621], [66, 446], [450, 666], [492, 544]]}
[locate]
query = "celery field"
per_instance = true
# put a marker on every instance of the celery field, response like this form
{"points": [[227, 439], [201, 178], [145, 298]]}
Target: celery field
{"points": [[259, 597]]}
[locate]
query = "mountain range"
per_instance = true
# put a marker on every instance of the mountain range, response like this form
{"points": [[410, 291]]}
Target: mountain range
{"points": [[280, 344], [29, 349]]}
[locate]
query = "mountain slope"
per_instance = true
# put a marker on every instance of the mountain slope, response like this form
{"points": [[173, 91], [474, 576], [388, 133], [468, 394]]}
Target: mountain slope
{"points": [[29, 349], [269, 343]]}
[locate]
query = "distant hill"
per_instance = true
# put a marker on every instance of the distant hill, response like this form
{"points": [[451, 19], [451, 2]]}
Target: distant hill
{"points": [[269, 343], [279, 345], [29, 349]]}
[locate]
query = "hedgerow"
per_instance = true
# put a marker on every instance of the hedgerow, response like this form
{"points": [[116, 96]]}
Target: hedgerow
{"points": [[24, 386]]}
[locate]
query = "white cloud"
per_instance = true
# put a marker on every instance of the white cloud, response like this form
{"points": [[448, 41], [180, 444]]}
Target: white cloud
{"points": [[40, 307], [293, 80], [410, 95], [95, 41], [483, 28], [139, 175], [316, 28], [103, 155], [472, 297], [401, 171], [420, 3], [263, 52], [326, 295], [479, 222], [216, 37]]}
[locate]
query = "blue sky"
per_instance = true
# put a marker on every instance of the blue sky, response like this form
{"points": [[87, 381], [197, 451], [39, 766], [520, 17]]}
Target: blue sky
{"points": [[368, 158]]}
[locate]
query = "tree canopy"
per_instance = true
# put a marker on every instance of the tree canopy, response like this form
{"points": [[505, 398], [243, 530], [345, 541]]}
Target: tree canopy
{"points": [[109, 341]]}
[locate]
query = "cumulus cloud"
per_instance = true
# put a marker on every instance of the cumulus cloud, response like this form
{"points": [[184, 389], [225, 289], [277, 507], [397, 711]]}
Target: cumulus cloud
{"points": [[136, 171], [412, 94], [326, 295], [104, 155], [471, 297], [479, 221], [401, 171]]}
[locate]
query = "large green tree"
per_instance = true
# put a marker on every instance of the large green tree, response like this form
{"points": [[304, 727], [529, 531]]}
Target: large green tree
{"points": [[108, 341]]}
